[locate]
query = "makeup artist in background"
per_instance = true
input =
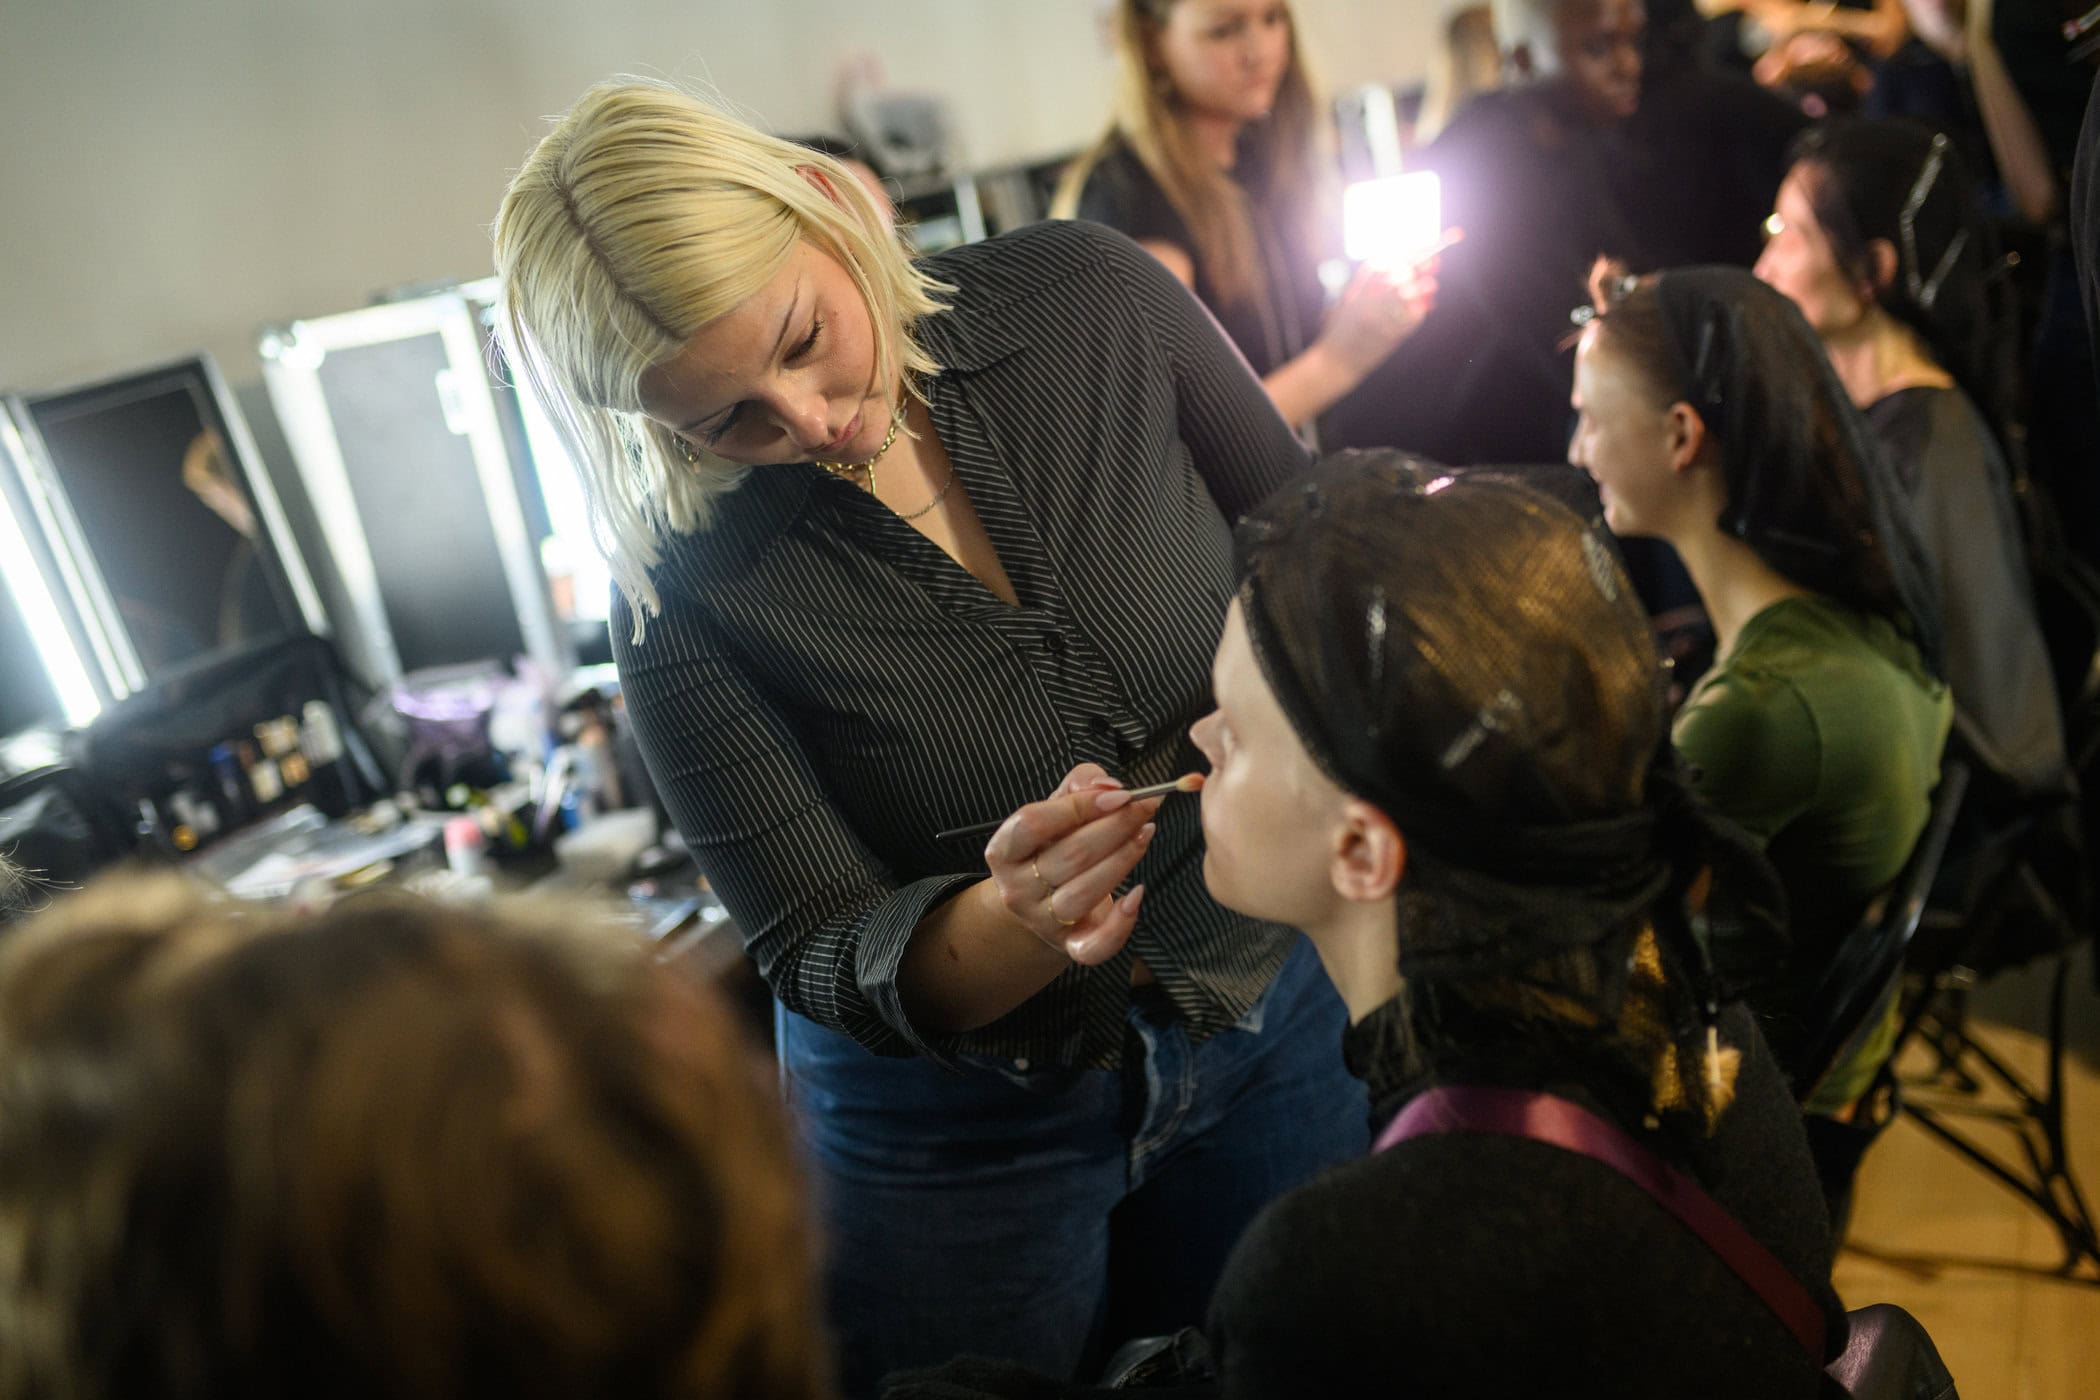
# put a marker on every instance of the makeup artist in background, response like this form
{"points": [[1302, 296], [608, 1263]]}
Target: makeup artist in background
{"points": [[906, 545], [1214, 165]]}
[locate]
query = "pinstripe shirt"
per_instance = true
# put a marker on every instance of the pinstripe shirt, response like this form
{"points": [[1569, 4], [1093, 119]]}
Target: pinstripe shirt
{"points": [[826, 688]]}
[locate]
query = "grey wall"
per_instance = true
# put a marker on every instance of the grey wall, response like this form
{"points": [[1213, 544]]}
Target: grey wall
{"points": [[175, 175]]}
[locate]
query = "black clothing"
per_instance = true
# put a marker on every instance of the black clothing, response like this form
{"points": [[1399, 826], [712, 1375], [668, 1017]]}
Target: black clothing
{"points": [[1121, 193], [1466, 1264], [1704, 157], [2085, 218], [2029, 37], [1485, 378], [826, 688], [1917, 84], [1997, 665]]}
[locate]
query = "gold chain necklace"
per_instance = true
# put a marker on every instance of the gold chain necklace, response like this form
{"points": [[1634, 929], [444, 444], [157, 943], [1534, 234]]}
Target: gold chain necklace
{"points": [[938, 497], [844, 471]]}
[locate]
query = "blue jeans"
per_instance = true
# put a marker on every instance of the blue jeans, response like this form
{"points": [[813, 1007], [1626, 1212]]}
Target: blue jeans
{"points": [[1045, 1215]]}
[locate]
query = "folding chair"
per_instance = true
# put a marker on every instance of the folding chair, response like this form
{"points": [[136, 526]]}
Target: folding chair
{"points": [[1866, 976]]}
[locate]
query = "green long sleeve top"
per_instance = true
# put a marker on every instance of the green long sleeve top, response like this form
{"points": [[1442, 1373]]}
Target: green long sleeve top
{"points": [[1820, 733]]}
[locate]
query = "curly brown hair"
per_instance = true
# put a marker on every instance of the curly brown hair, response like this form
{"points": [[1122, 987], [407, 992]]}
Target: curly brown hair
{"points": [[399, 1148]]}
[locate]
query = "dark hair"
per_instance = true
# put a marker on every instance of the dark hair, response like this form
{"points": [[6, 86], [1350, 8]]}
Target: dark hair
{"points": [[399, 1149], [1465, 653], [1860, 178], [1806, 484]]}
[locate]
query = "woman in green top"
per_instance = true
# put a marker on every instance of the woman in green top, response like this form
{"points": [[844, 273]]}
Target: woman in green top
{"points": [[1710, 418]]}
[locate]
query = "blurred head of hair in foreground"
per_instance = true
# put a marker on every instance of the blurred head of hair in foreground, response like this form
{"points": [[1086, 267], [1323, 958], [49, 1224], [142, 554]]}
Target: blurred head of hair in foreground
{"points": [[397, 1149]]}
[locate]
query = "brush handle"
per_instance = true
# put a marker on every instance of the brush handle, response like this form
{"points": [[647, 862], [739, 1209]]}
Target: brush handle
{"points": [[987, 828], [980, 829]]}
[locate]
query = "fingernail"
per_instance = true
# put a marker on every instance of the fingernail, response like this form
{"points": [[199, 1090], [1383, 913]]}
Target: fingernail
{"points": [[1129, 902], [1112, 801], [1147, 832]]}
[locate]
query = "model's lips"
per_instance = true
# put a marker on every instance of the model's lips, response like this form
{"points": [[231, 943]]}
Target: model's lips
{"points": [[837, 444]]}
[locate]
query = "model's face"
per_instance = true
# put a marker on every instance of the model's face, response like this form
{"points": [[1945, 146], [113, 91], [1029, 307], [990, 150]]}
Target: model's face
{"points": [[1597, 56], [1798, 261], [788, 375], [1622, 437], [1225, 58], [1269, 814]]}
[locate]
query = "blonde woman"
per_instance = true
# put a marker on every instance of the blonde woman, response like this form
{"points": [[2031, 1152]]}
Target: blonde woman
{"points": [[1211, 164], [901, 547]]}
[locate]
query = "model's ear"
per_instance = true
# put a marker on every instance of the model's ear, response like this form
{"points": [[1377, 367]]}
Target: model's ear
{"points": [[821, 181], [1687, 432], [1370, 854], [1882, 266]]}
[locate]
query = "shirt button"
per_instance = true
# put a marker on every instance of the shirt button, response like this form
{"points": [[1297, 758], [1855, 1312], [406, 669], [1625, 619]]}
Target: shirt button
{"points": [[1101, 728], [1054, 643]]}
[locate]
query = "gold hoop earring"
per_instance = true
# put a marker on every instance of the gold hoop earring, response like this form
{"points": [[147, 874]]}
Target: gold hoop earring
{"points": [[685, 450]]}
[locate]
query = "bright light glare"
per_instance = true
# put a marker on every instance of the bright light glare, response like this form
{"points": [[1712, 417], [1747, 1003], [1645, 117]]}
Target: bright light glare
{"points": [[46, 630], [1392, 221]]}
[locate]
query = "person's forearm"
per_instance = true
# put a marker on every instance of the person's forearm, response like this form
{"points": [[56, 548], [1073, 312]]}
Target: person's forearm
{"points": [[1882, 29], [1306, 387], [970, 963], [2016, 142]]}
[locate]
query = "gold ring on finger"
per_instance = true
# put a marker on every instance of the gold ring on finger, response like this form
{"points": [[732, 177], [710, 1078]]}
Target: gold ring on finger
{"points": [[1062, 922], [1049, 890]]}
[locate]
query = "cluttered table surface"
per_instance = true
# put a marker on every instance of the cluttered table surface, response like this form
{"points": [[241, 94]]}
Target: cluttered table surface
{"points": [[303, 857]]}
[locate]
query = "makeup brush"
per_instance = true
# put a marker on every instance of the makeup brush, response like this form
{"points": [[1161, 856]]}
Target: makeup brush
{"points": [[1187, 782]]}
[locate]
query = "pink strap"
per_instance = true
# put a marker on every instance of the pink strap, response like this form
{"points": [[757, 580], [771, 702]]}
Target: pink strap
{"points": [[1546, 1118]]}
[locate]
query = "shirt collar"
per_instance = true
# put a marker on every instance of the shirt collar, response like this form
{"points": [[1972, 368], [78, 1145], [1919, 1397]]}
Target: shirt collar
{"points": [[972, 332]]}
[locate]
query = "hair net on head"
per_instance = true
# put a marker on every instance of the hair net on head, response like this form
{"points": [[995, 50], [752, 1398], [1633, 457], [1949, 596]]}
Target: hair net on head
{"points": [[1808, 488], [1467, 655]]}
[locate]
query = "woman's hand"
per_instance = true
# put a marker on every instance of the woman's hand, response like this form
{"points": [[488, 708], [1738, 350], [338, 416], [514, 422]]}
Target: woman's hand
{"points": [[1379, 310], [1942, 25], [1780, 19], [1057, 863]]}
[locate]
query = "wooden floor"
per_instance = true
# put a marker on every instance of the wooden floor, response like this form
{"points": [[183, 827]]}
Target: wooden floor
{"points": [[1965, 1255]]}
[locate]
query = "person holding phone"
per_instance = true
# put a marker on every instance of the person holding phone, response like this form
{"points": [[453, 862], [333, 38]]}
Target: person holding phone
{"points": [[1212, 164]]}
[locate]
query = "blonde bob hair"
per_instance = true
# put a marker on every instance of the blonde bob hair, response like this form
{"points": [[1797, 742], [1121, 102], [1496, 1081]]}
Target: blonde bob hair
{"points": [[646, 213]]}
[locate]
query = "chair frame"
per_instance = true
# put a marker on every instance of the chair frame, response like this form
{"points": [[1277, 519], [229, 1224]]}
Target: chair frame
{"points": [[1937, 1005], [1867, 973], [2043, 1176]]}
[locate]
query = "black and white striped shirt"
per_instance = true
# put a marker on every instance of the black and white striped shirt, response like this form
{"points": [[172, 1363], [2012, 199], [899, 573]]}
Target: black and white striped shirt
{"points": [[827, 688]]}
